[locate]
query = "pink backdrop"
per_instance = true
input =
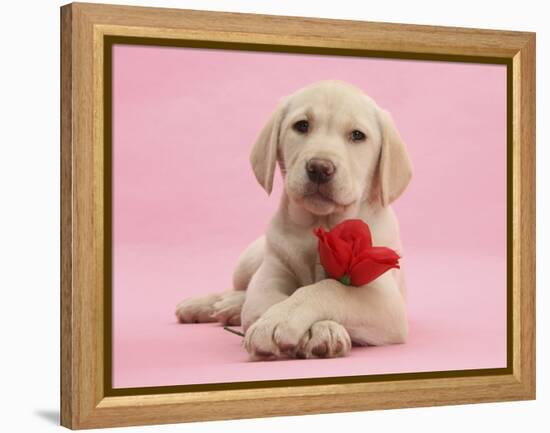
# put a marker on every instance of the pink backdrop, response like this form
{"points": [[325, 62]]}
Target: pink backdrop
{"points": [[185, 203]]}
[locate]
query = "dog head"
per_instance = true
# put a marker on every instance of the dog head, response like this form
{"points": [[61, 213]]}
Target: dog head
{"points": [[334, 147]]}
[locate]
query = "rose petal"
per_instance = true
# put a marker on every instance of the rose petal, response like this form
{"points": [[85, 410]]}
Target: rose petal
{"points": [[368, 270], [353, 231], [334, 253], [347, 250], [377, 254]]}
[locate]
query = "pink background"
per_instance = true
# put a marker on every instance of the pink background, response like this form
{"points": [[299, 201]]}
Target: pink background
{"points": [[185, 204]]}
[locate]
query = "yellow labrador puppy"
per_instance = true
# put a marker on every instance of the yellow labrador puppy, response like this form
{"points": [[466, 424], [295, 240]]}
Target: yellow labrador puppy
{"points": [[341, 157]]}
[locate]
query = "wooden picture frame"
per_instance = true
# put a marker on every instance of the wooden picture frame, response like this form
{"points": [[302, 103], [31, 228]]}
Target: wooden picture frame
{"points": [[87, 32]]}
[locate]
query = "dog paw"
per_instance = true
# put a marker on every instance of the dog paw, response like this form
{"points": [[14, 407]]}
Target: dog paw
{"points": [[218, 307], [227, 310], [197, 309], [325, 339], [273, 336]]}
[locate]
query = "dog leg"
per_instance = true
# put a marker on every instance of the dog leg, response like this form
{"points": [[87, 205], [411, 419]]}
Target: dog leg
{"points": [[270, 285], [373, 314]]}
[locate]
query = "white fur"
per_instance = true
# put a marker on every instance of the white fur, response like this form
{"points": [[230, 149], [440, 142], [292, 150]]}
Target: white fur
{"points": [[287, 305]]}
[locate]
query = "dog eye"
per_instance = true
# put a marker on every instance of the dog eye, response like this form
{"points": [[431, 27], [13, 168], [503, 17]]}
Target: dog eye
{"points": [[302, 126], [357, 135]]}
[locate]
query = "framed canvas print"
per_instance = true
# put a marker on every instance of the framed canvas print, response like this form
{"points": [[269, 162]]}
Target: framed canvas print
{"points": [[266, 215]]}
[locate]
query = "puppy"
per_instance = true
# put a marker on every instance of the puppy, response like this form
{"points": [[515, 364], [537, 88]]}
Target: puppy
{"points": [[341, 157]]}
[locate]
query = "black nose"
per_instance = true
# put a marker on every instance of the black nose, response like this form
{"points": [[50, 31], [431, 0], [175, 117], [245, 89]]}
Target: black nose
{"points": [[320, 170]]}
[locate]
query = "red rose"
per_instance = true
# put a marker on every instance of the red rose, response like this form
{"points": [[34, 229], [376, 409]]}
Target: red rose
{"points": [[347, 254]]}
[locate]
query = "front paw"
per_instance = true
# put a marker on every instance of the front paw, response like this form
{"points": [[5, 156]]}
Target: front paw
{"points": [[273, 336], [325, 339]]}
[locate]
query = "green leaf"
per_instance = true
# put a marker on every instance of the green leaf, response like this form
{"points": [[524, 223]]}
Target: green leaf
{"points": [[346, 279]]}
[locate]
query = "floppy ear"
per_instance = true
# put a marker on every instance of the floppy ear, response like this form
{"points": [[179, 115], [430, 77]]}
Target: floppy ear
{"points": [[395, 169], [263, 157]]}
